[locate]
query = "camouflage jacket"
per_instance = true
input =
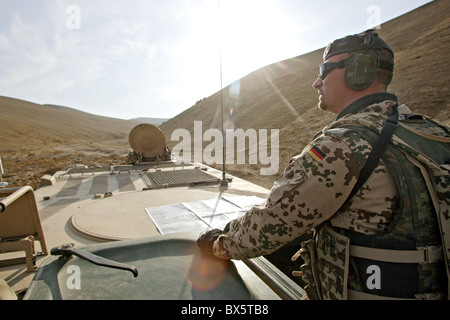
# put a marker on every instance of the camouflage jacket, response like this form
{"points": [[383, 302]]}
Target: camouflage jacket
{"points": [[310, 191]]}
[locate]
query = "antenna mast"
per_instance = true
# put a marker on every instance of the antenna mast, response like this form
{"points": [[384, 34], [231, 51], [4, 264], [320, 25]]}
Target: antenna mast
{"points": [[223, 182]]}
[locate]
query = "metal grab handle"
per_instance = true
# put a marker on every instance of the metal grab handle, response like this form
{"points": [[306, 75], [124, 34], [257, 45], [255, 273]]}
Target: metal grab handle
{"points": [[14, 194], [66, 250]]}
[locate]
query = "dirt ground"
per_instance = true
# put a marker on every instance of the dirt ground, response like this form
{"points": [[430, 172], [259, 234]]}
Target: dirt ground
{"points": [[26, 167]]}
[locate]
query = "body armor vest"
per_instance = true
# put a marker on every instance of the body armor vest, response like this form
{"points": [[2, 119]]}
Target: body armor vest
{"points": [[411, 259]]}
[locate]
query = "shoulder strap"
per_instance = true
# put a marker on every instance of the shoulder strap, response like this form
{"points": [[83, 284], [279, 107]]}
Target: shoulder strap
{"points": [[378, 149]]}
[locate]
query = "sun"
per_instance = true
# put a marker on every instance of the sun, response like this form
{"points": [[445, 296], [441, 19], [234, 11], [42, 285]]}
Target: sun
{"points": [[253, 33], [236, 37]]}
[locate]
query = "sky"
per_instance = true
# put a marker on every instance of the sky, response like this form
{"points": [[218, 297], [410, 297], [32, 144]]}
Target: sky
{"points": [[157, 58]]}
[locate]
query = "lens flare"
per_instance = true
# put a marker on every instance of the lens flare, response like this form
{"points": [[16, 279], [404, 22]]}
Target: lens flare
{"points": [[206, 272]]}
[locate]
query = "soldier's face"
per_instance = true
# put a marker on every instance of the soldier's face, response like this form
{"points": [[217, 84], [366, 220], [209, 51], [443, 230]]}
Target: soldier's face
{"points": [[332, 89]]}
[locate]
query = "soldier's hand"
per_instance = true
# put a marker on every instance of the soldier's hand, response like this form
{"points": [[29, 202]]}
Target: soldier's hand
{"points": [[206, 240]]}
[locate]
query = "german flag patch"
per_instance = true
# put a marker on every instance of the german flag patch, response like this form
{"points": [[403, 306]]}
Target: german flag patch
{"points": [[316, 153]]}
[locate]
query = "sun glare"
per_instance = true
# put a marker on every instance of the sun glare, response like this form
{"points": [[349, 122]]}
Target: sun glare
{"points": [[253, 33], [246, 34]]}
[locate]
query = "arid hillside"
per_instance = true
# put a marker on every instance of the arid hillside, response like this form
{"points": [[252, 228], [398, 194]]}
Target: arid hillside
{"points": [[280, 95], [41, 139]]}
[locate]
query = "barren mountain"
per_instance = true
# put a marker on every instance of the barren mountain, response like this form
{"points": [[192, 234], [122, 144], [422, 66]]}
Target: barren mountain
{"points": [[38, 139], [280, 95], [42, 139]]}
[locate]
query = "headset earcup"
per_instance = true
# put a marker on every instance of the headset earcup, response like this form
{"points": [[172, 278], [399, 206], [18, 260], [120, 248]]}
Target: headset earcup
{"points": [[360, 70]]}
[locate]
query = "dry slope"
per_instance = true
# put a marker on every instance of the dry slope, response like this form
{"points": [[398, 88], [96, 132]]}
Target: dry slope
{"points": [[280, 95]]}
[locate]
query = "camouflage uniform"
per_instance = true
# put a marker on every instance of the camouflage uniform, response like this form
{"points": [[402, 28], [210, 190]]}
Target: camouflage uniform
{"points": [[310, 191]]}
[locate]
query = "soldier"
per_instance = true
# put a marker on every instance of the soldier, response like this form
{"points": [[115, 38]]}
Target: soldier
{"points": [[378, 223]]}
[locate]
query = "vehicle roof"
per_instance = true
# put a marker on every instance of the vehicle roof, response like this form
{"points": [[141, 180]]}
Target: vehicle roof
{"points": [[86, 206]]}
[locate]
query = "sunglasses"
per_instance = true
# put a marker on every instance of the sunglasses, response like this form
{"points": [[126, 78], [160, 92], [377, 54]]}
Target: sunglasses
{"points": [[326, 67]]}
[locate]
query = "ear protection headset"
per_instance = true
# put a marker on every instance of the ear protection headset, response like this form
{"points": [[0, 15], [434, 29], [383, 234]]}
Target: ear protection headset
{"points": [[363, 61], [362, 65]]}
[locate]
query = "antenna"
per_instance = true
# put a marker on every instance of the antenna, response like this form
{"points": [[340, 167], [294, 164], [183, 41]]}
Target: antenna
{"points": [[2, 183], [223, 182]]}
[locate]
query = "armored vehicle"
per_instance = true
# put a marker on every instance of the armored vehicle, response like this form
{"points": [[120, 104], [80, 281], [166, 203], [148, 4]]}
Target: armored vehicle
{"points": [[129, 232]]}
